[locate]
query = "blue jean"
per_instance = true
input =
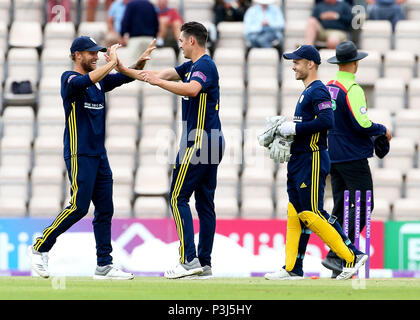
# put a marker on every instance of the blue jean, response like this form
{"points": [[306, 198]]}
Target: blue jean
{"points": [[264, 38], [392, 13]]}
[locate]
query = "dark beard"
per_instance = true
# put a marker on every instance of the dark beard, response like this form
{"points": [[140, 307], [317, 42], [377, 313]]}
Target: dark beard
{"points": [[86, 66]]}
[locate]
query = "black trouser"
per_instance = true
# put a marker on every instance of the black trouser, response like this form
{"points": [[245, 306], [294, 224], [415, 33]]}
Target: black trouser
{"points": [[352, 176]]}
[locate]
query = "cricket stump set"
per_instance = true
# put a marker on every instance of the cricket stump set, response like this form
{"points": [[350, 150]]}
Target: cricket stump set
{"points": [[346, 218]]}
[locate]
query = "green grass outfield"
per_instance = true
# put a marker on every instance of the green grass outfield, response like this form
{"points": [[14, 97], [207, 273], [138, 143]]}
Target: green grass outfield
{"points": [[154, 288]]}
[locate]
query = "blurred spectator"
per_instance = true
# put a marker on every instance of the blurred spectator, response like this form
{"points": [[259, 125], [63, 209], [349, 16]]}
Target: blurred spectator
{"points": [[168, 18], [139, 26], [386, 10], [58, 10], [115, 15], [263, 25], [230, 10], [330, 22], [91, 8], [350, 2]]}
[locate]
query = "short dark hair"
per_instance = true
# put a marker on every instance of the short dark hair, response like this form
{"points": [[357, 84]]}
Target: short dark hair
{"points": [[197, 30]]}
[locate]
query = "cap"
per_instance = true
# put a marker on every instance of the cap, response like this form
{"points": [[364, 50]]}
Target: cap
{"points": [[346, 52], [306, 51], [381, 144], [266, 2], [85, 43]]}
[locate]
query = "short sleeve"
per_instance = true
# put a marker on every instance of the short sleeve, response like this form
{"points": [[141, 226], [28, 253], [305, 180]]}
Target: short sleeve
{"points": [[112, 9], [113, 80], [202, 74], [321, 99], [73, 83], [183, 68]]}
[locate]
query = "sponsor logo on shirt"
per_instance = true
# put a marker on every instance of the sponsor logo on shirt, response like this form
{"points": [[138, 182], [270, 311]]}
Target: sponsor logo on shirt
{"points": [[325, 105], [95, 106], [200, 75], [363, 109], [297, 119]]}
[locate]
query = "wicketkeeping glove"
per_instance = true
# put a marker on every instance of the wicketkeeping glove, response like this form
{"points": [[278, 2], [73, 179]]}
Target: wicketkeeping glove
{"points": [[280, 149], [268, 136], [287, 128]]}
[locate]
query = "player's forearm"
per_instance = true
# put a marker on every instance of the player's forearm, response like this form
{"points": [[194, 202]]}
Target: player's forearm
{"points": [[178, 88], [129, 72], [99, 73]]}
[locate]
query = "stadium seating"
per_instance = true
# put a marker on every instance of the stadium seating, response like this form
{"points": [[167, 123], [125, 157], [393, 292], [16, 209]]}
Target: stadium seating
{"points": [[297, 9], [144, 122], [413, 9], [231, 35], [262, 98], [294, 34], [406, 209], [198, 10], [402, 155], [369, 69], [263, 62], [376, 35], [388, 183], [26, 34], [407, 37], [59, 35], [399, 65], [389, 94]]}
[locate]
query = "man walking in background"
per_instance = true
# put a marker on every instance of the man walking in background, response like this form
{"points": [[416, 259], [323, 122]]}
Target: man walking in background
{"points": [[350, 142], [139, 26]]}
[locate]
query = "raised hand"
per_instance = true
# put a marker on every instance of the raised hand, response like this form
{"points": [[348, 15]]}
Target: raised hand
{"points": [[112, 53]]}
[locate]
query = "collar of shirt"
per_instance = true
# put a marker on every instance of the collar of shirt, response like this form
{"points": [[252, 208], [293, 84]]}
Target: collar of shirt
{"points": [[345, 75]]}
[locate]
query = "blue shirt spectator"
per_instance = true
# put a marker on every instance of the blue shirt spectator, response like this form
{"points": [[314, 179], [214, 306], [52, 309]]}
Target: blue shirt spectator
{"points": [[263, 25], [116, 13], [390, 10]]}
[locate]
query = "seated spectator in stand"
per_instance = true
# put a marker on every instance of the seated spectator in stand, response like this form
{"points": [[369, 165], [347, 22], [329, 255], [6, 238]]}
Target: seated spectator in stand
{"points": [[386, 10], [58, 10], [230, 10], [350, 2], [115, 15], [139, 26], [91, 8], [263, 25], [168, 18], [330, 22]]}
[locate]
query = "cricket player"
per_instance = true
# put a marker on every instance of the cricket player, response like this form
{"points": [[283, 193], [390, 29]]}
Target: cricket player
{"points": [[201, 149], [350, 142], [307, 170], [83, 92]]}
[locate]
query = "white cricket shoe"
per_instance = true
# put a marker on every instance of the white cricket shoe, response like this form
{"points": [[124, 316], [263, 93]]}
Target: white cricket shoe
{"points": [[39, 262], [347, 273], [185, 269], [110, 272], [283, 275]]}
